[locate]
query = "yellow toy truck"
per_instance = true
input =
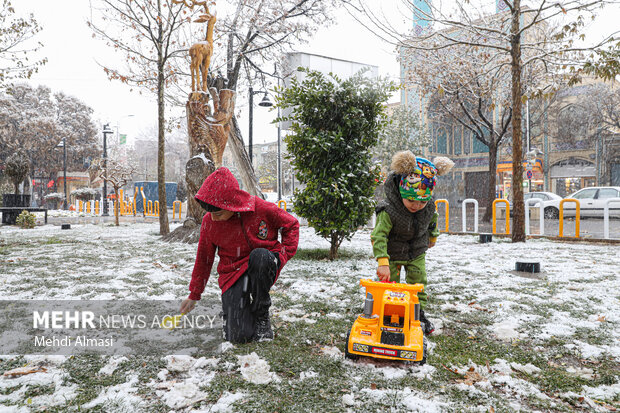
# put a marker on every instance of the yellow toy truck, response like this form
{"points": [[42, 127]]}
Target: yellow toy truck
{"points": [[390, 327]]}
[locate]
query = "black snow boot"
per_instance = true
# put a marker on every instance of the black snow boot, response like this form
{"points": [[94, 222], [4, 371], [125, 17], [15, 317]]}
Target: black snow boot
{"points": [[427, 326], [263, 329]]}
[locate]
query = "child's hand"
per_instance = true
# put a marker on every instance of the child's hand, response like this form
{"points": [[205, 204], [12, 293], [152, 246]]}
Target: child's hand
{"points": [[187, 305], [383, 272], [431, 244]]}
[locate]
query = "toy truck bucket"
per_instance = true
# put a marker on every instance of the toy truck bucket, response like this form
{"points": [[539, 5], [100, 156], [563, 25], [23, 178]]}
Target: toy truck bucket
{"points": [[377, 289]]}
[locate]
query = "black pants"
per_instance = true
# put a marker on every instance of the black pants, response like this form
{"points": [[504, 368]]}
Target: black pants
{"points": [[248, 299]]}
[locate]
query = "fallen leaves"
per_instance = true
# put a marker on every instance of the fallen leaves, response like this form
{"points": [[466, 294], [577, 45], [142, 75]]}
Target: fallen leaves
{"points": [[22, 371], [476, 306]]}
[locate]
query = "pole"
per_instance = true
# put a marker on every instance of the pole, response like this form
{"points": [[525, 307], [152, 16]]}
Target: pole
{"points": [[105, 170], [527, 130], [64, 165], [279, 161], [251, 115]]}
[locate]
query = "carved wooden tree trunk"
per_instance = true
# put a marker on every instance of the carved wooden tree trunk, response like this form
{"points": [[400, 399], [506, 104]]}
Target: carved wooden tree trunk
{"points": [[209, 130]]}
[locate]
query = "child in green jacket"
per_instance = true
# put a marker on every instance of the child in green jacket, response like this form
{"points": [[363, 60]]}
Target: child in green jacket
{"points": [[407, 222]]}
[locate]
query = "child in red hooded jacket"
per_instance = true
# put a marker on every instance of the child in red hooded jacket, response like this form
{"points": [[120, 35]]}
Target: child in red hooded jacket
{"points": [[243, 229]]}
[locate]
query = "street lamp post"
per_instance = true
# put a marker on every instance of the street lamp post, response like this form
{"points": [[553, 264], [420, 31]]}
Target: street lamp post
{"points": [[263, 103], [64, 167], [106, 131]]}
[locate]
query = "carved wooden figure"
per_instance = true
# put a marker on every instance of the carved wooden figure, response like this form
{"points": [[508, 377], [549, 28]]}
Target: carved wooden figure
{"points": [[201, 52]]}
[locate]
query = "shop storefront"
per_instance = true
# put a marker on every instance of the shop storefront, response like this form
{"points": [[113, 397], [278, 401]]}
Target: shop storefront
{"points": [[533, 177], [571, 175]]}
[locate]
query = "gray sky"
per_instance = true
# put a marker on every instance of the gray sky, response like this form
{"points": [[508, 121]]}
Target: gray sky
{"points": [[75, 57]]}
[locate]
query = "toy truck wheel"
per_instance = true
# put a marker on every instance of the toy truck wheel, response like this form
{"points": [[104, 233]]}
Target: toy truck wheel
{"points": [[348, 355], [424, 351]]}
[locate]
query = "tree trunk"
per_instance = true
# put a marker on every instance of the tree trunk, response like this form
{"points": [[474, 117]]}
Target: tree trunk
{"points": [[208, 132], [518, 221], [335, 241], [488, 213], [117, 207], [248, 176], [164, 228]]}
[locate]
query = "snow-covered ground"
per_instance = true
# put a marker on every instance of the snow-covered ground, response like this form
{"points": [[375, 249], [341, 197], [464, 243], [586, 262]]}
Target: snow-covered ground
{"points": [[504, 342]]}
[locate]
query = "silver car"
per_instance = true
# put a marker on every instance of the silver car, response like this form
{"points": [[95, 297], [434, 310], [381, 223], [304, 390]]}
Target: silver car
{"points": [[591, 203], [549, 200]]}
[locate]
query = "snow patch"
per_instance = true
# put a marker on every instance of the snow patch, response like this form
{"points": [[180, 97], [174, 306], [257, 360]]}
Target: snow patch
{"points": [[333, 352], [256, 370]]}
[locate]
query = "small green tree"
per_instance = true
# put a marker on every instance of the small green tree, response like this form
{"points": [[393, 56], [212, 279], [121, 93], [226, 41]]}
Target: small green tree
{"points": [[26, 220], [335, 124]]}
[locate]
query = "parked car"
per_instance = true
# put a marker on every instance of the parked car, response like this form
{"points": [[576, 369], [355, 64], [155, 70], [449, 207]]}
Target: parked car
{"points": [[550, 201], [591, 203]]}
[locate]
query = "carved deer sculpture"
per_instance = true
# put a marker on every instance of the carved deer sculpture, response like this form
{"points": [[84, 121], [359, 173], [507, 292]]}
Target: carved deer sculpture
{"points": [[201, 52]]}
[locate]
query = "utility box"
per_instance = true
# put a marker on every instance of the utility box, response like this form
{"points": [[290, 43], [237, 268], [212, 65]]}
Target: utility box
{"points": [[151, 193]]}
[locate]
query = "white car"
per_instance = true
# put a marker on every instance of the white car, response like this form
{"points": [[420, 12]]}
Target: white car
{"points": [[591, 203], [550, 202]]}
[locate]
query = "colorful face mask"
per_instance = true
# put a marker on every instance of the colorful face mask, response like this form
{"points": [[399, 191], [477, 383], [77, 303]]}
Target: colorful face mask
{"points": [[419, 184]]}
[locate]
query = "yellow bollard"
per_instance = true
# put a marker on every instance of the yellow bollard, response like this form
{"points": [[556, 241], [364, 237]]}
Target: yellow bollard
{"points": [[174, 207], [150, 208], [577, 216], [96, 207], [135, 193], [144, 211], [81, 206], [156, 208], [280, 202], [507, 216], [447, 204], [121, 206]]}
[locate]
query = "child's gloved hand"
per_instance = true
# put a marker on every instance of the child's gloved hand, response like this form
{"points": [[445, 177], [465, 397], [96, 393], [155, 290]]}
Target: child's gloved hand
{"points": [[431, 244], [383, 272], [187, 305]]}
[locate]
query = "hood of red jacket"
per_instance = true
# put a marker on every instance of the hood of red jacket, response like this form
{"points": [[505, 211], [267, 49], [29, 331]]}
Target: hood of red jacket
{"points": [[221, 189]]}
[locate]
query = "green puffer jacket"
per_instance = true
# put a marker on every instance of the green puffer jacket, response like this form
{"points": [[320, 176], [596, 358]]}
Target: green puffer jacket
{"points": [[400, 235]]}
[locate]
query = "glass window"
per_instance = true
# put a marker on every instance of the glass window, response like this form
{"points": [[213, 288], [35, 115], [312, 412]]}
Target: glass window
{"points": [[605, 193], [457, 141], [467, 142], [478, 147], [585, 194], [442, 141]]}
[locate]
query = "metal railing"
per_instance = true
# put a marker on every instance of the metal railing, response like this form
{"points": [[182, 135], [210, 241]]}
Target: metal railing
{"points": [[577, 216], [470, 201], [507, 227], [541, 213], [447, 208]]}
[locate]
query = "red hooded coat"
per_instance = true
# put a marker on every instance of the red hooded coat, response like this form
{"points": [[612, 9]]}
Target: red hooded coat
{"points": [[255, 225]]}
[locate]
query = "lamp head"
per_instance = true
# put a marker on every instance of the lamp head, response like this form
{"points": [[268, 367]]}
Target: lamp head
{"points": [[265, 102]]}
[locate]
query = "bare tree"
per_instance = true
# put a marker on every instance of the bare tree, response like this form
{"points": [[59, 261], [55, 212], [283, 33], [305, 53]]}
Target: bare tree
{"points": [[511, 39], [147, 33], [17, 46], [472, 93], [404, 131], [116, 174]]}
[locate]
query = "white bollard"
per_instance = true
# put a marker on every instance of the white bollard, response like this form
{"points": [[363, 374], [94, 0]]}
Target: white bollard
{"points": [[528, 203], [470, 201], [606, 216]]}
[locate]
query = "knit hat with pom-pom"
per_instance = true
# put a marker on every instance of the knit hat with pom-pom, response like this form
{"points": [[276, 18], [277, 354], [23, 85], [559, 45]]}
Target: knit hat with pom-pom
{"points": [[418, 175]]}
